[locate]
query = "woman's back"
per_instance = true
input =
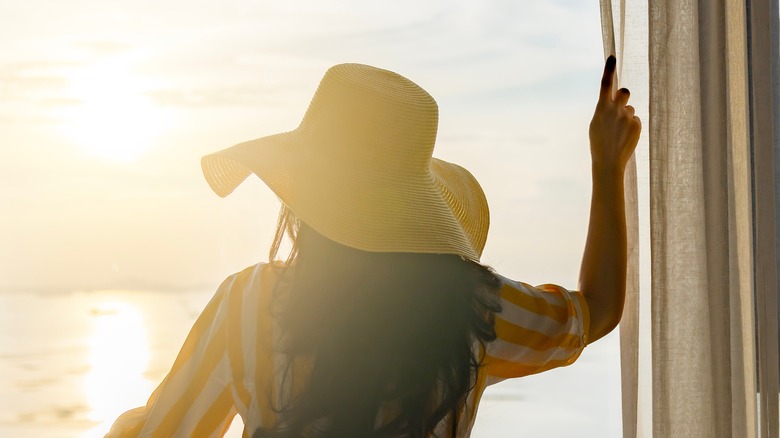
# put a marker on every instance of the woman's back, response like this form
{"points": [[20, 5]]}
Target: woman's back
{"points": [[380, 330]]}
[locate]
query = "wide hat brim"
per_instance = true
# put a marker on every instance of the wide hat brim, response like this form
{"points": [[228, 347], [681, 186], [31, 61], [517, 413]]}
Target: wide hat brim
{"points": [[437, 207]]}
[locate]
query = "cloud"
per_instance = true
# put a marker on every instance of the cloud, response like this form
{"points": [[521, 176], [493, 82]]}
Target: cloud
{"points": [[216, 96], [104, 48], [563, 86], [23, 83], [30, 80], [20, 119], [35, 77], [60, 101]]}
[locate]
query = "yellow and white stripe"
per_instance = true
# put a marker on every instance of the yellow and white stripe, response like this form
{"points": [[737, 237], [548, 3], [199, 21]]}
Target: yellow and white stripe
{"points": [[228, 363], [539, 328]]}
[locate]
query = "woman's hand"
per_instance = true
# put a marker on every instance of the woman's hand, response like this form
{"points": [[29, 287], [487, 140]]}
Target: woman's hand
{"points": [[614, 130]]}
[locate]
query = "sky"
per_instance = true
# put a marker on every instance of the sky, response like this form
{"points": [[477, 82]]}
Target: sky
{"points": [[106, 108]]}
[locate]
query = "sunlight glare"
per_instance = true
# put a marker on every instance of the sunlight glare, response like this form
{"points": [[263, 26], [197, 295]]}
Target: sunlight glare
{"points": [[119, 356], [114, 119]]}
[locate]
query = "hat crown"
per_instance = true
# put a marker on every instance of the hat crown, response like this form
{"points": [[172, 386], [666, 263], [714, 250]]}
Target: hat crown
{"points": [[374, 117]]}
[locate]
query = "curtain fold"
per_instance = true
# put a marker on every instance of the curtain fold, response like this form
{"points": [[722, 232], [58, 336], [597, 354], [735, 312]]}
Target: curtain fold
{"points": [[744, 420], [680, 347], [628, 324], [763, 73], [693, 63]]}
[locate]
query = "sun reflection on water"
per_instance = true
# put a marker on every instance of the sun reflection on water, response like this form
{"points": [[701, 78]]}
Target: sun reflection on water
{"points": [[119, 356]]}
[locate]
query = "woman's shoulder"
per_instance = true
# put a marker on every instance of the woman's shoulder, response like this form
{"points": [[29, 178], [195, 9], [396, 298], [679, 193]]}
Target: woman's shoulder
{"points": [[256, 272], [253, 279], [507, 284]]}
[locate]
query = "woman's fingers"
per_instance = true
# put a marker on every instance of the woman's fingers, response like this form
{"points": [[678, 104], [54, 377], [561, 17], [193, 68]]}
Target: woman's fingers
{"points": [[605, 94], [621, 97], [630, 110]]}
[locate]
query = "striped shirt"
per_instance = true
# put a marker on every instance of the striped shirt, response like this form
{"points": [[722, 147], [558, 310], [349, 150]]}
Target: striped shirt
{"points": [[228, 363]]}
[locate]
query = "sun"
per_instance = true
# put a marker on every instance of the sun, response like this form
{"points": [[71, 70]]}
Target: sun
{"points": [[114, 118]]}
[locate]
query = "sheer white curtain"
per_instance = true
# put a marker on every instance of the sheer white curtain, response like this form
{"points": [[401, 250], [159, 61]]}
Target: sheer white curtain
{"points": [[700, 74], [624, 33]]}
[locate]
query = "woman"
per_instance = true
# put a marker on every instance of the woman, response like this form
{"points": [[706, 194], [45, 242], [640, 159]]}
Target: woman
{"points": [[381, 322]]}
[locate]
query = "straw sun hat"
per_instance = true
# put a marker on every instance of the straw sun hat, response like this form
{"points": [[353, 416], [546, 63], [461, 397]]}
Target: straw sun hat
{"points": [[359, 169]]}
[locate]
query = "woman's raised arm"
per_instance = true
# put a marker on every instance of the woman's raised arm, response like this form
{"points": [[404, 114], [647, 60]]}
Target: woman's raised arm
{"points": [[614, 133]]}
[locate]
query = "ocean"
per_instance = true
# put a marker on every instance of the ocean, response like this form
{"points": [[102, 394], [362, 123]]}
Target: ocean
{"points": [[70, 363]]}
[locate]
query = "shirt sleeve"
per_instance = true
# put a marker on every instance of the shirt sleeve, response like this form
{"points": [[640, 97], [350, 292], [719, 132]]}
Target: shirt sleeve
{"points": [[538, 328], [195, 397]]}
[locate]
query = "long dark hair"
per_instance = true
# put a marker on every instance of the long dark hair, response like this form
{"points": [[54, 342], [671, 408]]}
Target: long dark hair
{"points": [[395, 331]]}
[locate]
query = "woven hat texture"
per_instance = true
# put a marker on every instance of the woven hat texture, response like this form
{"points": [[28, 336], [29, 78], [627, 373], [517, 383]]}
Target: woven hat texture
{"points": [[359, 169]]}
